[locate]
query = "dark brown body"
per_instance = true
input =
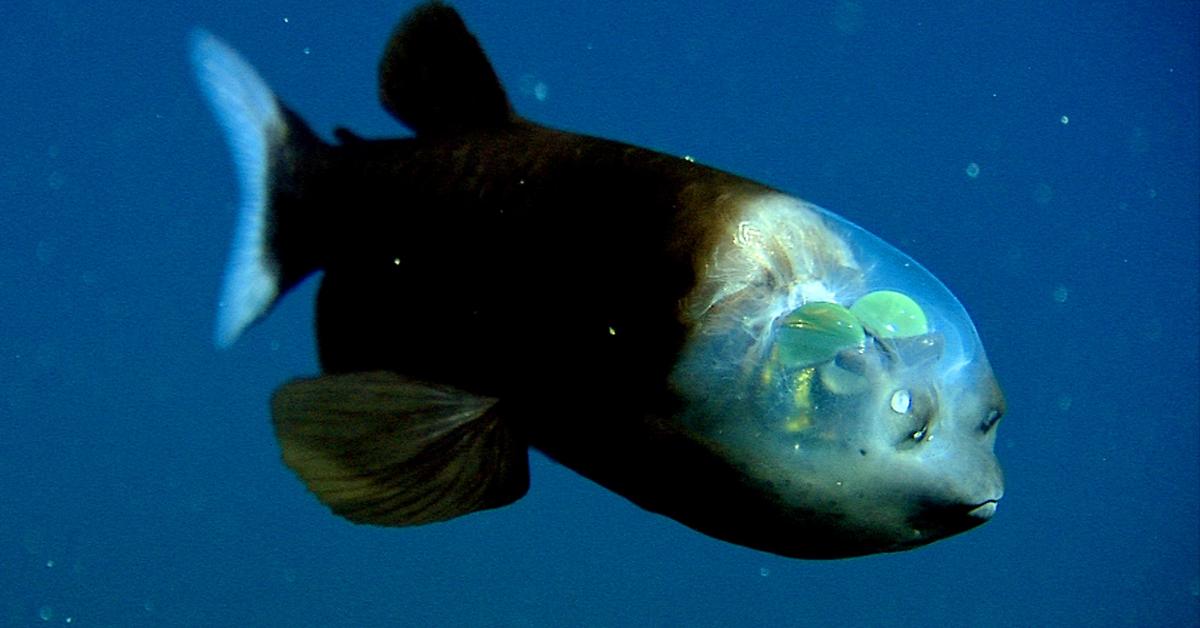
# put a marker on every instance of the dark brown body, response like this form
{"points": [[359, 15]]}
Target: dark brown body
{"points": [[548, 270], [452, 257]]}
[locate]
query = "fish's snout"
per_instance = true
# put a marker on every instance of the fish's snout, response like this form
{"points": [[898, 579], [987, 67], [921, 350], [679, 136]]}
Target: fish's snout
{"points": [[971, 502]]}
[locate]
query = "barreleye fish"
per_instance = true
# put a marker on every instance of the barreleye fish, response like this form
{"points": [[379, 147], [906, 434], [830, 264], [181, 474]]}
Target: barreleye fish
{"points": [[715, 350]]}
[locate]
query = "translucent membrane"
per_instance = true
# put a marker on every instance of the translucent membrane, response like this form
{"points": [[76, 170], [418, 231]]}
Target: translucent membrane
{"points": [[803, 319]]}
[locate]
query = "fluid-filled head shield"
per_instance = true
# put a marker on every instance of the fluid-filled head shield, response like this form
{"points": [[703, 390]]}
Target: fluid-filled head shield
{"points": [[842, 376]]}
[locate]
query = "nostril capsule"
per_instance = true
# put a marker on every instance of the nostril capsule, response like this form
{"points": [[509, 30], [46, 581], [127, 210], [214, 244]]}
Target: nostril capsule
{"points": [[990, 421]]}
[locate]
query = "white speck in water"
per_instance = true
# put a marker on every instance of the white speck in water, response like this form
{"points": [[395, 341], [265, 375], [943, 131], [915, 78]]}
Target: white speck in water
{"points": [[534, 87], [285, 20], [1043, 194], [45, 251], [689, 158], [1060, 294], [307, 50], [46, 613], [1139, 140], [764, 572], [49, 563], [1064, 119], [972, 170], [1152, 329], [848, 17]]}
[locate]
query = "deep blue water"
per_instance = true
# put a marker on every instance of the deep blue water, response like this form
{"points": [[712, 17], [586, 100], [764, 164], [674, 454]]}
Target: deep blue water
{"points": [[140, 483]]}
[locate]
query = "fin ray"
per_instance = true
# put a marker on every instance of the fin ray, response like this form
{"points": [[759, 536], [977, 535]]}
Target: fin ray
{"points": [[381, 449], [278, 161], [253, 122]]}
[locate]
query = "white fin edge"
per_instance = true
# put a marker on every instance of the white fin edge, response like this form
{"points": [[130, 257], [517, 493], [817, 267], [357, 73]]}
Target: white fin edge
{"points": [[253, 123]]}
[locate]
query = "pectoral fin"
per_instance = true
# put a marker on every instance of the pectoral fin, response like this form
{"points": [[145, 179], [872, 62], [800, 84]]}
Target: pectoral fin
{"points": [[382, 449]]}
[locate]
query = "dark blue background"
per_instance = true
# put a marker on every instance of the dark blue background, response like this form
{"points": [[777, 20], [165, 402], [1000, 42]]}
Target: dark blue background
{"points": [[139, 481]]}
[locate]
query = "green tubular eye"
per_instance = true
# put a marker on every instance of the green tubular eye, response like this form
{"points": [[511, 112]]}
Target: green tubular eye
{"points": [[816, 332], [890, 314]]}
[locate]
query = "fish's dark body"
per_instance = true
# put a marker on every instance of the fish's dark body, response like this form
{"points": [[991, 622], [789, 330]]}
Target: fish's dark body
{"points": [[491, 284]]}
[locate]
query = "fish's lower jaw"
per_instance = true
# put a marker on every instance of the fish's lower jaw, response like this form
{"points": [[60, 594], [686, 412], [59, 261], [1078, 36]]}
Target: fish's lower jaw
{"points": [[984, 511], [945, 521]]}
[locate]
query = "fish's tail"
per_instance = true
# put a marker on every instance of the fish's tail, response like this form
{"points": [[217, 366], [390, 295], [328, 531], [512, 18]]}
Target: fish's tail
{"points": [[275, 154]]}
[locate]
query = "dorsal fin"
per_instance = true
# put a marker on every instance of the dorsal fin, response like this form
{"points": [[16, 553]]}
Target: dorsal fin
{"points": [[435, 78]]}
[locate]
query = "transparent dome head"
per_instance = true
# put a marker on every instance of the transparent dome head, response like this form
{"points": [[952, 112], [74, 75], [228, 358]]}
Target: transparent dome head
{"points": [[806, 324]]}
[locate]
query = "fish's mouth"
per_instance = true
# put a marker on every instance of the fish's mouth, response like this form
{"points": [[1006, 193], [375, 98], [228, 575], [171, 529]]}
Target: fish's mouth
{"points": [[939, 522], [984, 510]]}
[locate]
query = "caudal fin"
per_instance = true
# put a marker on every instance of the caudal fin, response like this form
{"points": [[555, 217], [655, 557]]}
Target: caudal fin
{"points": [[266, 141]]}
